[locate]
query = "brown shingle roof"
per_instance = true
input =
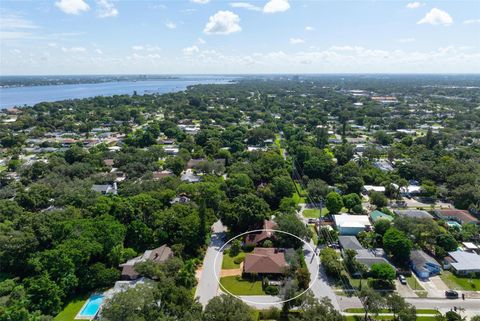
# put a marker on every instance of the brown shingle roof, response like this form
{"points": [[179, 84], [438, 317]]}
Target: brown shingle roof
{"points": [[459, 215], [265, 261], [255, 238]]}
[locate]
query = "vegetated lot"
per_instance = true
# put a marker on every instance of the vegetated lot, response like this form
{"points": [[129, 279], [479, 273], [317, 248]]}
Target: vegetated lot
{"points": [[314, 234], [386, 317], [228, 262], [460, 283], [419, 311], [238, 286], [314, 212], [71, 309]]}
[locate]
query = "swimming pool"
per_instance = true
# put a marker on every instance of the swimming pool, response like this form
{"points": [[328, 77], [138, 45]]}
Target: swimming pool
{"points": [[91, 307]]}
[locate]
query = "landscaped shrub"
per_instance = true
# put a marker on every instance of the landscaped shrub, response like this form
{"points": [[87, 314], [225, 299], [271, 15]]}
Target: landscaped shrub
{"points": [[238, 260], [271, 290], [270, 314], [248, 248]]}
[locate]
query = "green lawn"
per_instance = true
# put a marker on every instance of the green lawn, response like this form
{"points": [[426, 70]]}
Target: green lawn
{"points": [[297, 198], [314, 234], [413, 284], [71, 310], [386, 317], [460, 283], [238, 286], [228, 261], [314, 212], [419, 311]]}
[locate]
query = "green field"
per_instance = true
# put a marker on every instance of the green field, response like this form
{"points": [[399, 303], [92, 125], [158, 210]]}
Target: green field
{"points": [[314, 234], [238, 286], [228, 261], [386, 317], [314, 212], [71, 310], [460, 283], [413, 283], [419, 311]]}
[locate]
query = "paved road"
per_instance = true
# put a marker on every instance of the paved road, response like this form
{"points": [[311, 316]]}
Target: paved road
{"points": [[320, 287], [207, 287], [262, 302]]}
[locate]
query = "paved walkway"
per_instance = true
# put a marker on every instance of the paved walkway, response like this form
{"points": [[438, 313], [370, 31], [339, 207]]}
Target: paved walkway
{"points": [[207, 288], [232, 272]]}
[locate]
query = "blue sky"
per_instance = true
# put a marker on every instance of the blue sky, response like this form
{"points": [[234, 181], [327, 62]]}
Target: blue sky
{"points": [[219, 36]]}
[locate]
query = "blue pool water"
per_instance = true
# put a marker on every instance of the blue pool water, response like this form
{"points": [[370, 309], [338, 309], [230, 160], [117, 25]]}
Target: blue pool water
{"points": [[92, 306]]}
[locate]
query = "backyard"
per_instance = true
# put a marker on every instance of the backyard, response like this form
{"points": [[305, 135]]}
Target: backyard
{"points": [[228, 262], [460, 283], [314, 212], [71, 310], [239, 286]]}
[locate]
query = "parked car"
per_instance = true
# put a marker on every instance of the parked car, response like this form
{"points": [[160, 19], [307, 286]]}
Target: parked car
{"points": [[312, 220], [450, 294], [402, 279]]}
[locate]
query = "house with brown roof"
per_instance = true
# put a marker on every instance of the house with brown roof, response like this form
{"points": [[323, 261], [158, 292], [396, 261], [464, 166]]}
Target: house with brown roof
{"points": [[265, 261], [158, 255], [460, 216], [258, 237]]}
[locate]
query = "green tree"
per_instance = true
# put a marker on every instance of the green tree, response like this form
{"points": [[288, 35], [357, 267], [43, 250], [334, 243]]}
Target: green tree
{"points": [[397, 245], [227, 308], [381, 226], [378, 199], [291, 224], [371, 300], [351, 200], [334, 202], [45, 295]]}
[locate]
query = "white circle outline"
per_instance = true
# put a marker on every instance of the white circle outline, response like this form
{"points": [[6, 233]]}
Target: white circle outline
{"points": [[263, 303]]}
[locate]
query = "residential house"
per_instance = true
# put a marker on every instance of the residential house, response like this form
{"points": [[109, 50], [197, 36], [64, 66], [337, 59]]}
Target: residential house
{"points": [[459, 216], [265, 261], [377, 215], [258, 237], [190, 177], [372, 188], [418, 214], [367, 257], [106, 188], [463, 263], [158, 255], [423, 264], [162, 174], [351, 224]]}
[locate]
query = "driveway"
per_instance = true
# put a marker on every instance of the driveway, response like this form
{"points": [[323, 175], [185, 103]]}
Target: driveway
{"points": [[434, 286], [207, 287], [404, 290]]}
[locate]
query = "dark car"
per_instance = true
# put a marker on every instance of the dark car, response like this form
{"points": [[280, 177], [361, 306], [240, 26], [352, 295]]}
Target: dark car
{"points": [[450, 294], [402, 279]]}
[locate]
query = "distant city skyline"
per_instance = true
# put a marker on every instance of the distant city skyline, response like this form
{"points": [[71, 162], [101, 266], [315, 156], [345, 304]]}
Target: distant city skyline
{"points": [[238, 37]]}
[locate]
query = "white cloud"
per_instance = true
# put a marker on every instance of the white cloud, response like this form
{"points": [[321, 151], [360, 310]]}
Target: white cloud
{"points": [[436, 17], [415, 5], [190, 50], [405, 40], [295, 41], [274, 6], [308, 28], [74, 49], [200, 1], [223, 23], [200, 41], [99, 51], [245, 5], [15, 27], [148, 48], [471, 21], [72, 6], [106, 9], [170, 25], [16, 22]]}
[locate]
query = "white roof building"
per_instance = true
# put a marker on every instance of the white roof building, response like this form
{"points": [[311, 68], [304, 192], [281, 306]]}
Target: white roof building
{"points": [[465, 262], [351, 224]]}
